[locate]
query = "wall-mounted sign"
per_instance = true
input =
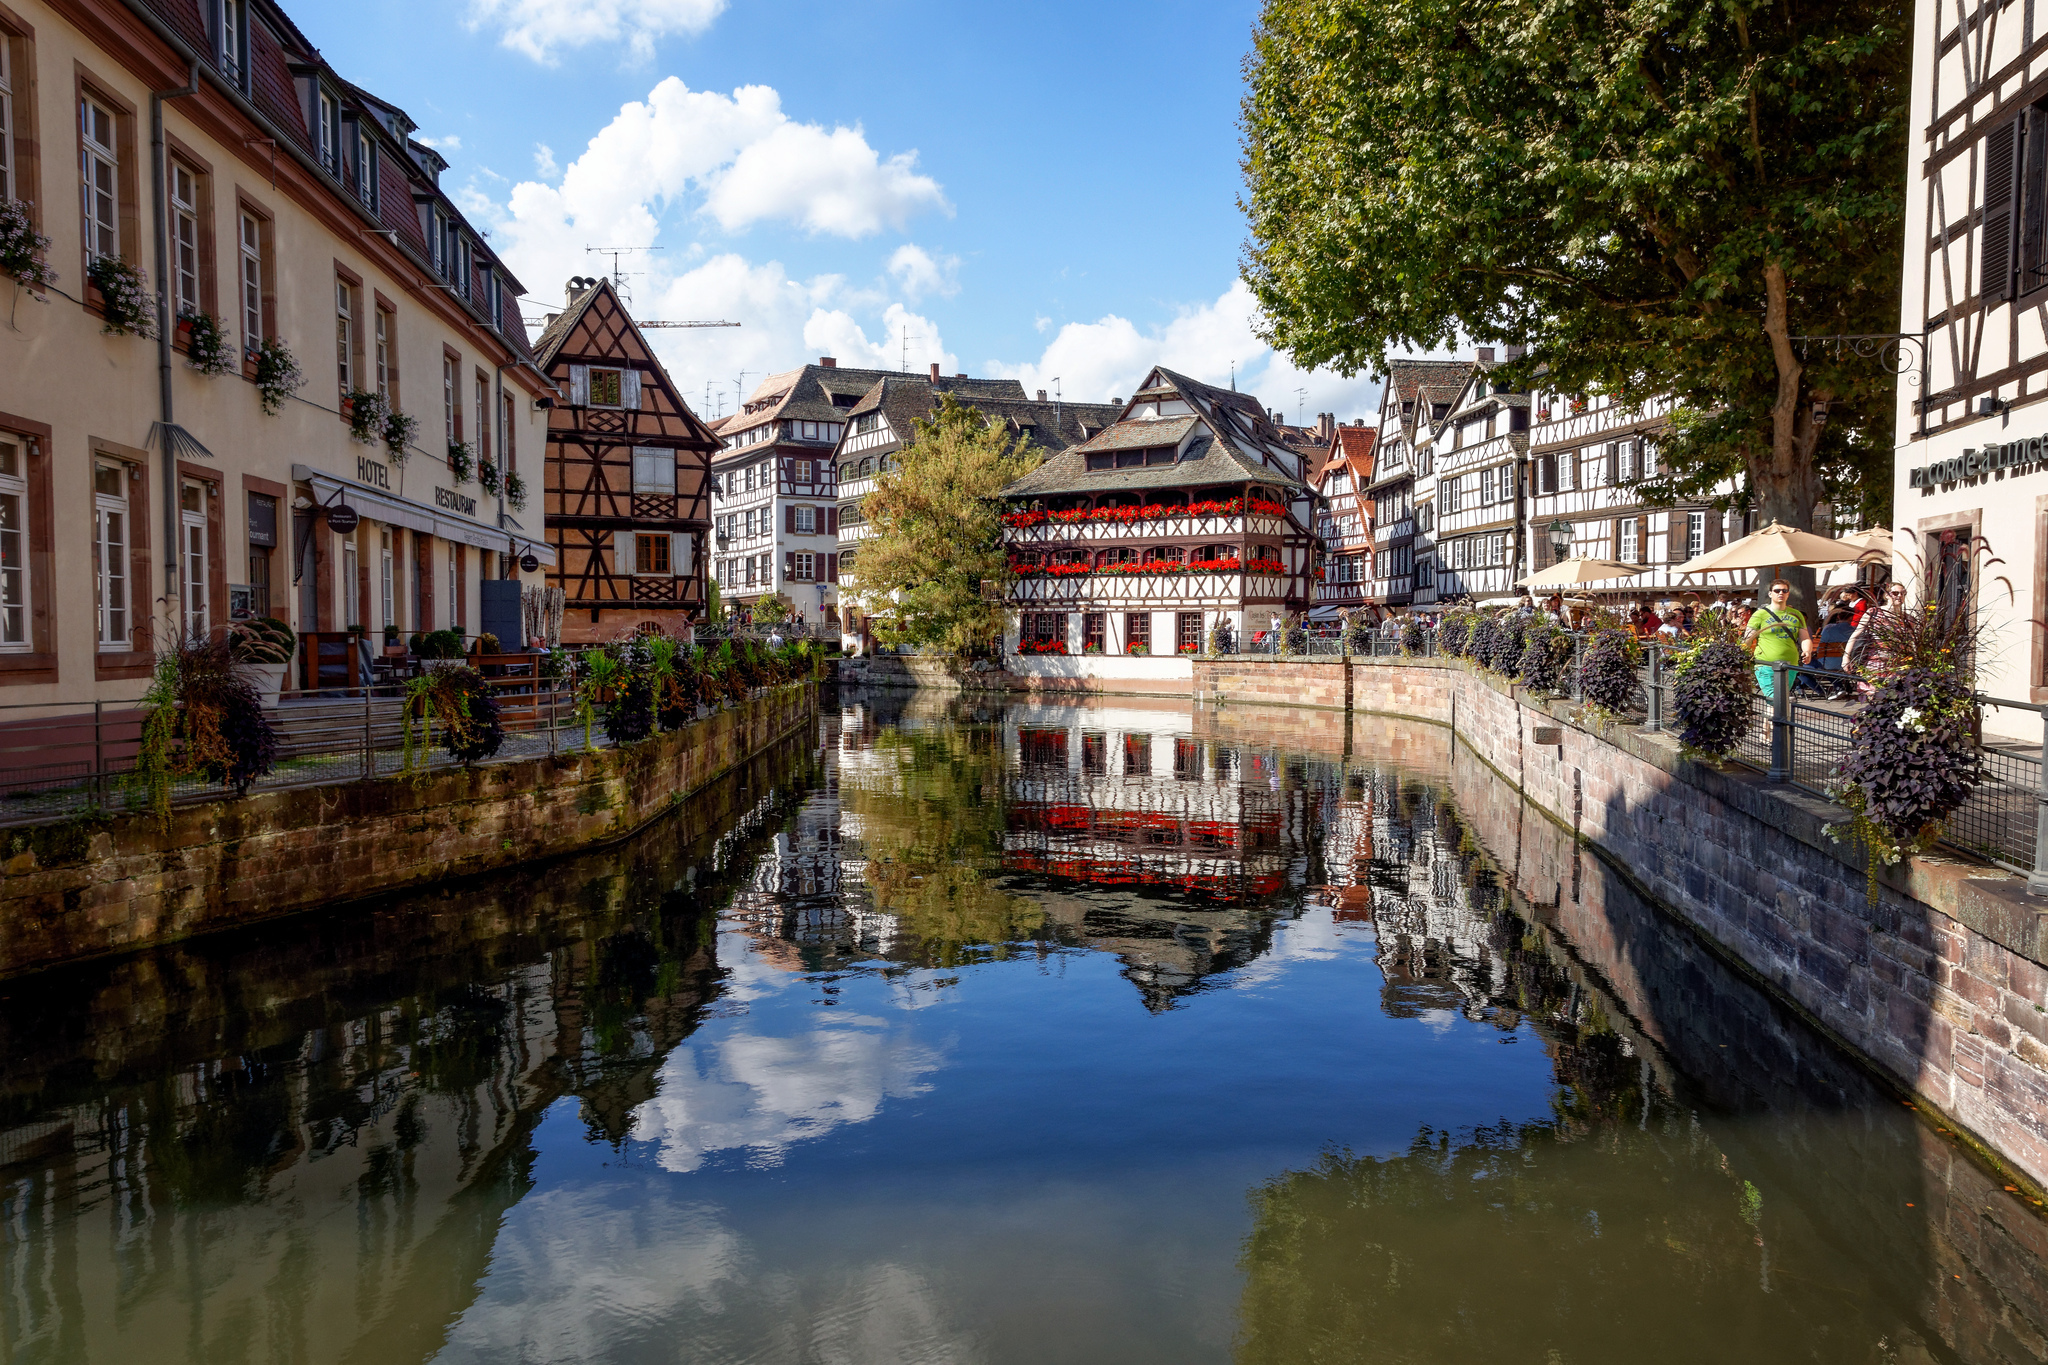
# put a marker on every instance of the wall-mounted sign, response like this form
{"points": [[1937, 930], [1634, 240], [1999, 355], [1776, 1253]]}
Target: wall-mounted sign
{"points": [[454, 501], [1976, 460], [528, 562], [342, 519], [373, 472]]}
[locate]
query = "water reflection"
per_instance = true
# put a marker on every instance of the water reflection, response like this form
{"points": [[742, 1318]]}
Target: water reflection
{"points": [[962, 1033]]}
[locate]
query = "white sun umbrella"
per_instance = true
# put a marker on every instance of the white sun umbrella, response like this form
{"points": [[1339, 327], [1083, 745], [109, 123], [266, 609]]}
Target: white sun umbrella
{"points": [[1774, 547], [1568, 572]]}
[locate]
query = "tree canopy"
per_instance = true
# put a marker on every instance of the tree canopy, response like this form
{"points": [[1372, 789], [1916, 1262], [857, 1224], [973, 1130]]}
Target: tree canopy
{"points": [[1657, 197], [938, 536]]}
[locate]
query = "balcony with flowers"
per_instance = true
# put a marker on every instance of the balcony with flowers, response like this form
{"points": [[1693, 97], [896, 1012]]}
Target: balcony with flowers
{"points": [[1124, 574], [1168, 518]]}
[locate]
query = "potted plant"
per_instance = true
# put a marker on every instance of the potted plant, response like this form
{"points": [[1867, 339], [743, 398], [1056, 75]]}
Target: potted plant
{"points": [[398, 433], [392, 644], [263, 647], [487, 477], [22, 247], [367, 412], [277, 376], [515, 491], [126, 307], [207, 348], [461, 461]]}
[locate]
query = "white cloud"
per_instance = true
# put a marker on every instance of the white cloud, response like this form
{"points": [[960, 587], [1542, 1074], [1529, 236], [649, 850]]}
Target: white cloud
{"points": [[540, 28], [837, 334], [544, 161], [919, 273], [1096, 361], [450, 143], [823, 182]]}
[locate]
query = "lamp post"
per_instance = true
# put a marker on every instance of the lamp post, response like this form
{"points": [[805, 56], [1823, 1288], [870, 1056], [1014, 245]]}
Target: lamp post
{"points": [[1560, 540]]}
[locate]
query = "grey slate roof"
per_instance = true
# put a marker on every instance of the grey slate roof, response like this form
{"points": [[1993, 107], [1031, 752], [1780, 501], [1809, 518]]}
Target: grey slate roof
{"points": [[1236, 427], [908, 399], [806, 394]]}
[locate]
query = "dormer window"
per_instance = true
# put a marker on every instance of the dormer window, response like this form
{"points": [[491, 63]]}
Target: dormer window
{"points": [[329, 121], [230, 41], [366, 170]]}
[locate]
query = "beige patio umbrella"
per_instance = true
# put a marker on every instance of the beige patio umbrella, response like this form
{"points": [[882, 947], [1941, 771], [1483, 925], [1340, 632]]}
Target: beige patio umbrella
{"points": [[1877, 538], [1567, 572], [1774, 547]]}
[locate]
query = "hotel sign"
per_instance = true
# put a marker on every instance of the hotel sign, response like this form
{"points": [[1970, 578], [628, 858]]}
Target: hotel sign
{"points": [[1978, 460]]}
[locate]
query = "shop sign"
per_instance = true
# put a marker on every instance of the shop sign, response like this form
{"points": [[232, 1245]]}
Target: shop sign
{"points": [[454, 501], [529, 561], [1978, 460], [342, 519], [373, 472]]}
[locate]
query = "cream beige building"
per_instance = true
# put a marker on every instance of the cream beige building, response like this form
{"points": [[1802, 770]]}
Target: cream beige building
{"points": [[141, 496]]}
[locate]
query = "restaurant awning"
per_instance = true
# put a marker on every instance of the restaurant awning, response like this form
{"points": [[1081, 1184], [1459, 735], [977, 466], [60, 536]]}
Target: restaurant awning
{"points": [[413, 516]]}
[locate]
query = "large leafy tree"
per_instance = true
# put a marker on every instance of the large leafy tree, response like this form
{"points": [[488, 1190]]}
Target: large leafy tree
{"points": [[1658, 196], [938, 537]]}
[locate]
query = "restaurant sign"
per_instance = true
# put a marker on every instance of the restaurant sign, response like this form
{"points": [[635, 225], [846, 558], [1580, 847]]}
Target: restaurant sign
{"points": [[1977, 460]]}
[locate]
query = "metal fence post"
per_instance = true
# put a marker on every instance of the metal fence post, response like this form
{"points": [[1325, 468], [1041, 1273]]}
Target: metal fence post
{"points": [[99, 755], [1578, 666], [1781, 725], [551, 716], [369, 745], [2037, 880], [1655, 719]]}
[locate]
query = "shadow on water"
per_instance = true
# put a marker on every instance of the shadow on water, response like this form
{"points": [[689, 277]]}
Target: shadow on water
{"points": [[1264, 1037]]}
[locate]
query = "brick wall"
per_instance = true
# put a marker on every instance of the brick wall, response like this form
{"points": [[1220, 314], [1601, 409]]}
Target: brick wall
{"points": [[89, 888], [1940, 984]]}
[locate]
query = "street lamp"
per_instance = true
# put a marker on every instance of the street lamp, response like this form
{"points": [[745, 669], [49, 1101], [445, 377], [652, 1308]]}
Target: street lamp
{"points": [[1560, 540]]}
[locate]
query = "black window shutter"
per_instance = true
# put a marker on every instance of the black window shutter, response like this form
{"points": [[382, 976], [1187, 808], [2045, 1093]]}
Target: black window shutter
{"points": [[2029, 202], [2001, 157]]}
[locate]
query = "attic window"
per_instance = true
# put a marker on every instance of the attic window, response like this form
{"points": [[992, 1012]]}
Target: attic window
{"points": [[1103, 460], [604, 389]]}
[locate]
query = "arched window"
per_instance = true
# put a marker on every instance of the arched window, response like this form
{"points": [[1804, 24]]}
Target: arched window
{"points": [[867, 467], [846, 471], [1165, 554], [1115, 554]]}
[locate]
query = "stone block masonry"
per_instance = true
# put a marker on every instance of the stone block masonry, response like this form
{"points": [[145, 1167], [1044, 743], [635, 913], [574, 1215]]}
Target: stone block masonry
{"points": [[1940, 985], [93, 887]]}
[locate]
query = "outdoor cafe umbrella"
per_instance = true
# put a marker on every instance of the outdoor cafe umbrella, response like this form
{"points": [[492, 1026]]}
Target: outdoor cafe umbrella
{"points": [[1774, 547], [1567, 572], [1877, 540]]}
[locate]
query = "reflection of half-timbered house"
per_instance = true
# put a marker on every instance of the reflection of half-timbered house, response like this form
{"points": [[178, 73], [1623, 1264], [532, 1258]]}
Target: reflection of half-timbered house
{"points": [[1970, 425], [627, 501], [1345, 519], [1186, 513]]}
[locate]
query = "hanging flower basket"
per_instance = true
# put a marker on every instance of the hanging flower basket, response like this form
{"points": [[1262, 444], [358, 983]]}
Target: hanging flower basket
{"points": [[461, 461], [488, 478], [207, 348], [22, 247], [367, 413], [278, 375], [126, 308], [398, 433], [515, 491]]}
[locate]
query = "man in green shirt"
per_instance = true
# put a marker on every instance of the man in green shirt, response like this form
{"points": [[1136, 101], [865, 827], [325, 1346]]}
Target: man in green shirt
{"points": [[1777, 634]]}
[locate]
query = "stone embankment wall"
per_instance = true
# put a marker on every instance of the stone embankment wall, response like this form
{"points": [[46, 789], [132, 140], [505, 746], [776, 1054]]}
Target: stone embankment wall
{"points": [[1940, 984], [97, 886]]}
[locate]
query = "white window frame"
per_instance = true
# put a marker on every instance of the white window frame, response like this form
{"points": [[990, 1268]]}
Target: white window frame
{"points": [[16, 586], [344, 336], [110, 561], [195, 561], [448, 395], [1628, 535], [99, 179], [802, 568], [807, 521], [351, 569], [1695, 534], [328, 130], [250, 230], [366, 170], [184, 239], [385, 582], [228, 40], [383, 317], [6, 120]]}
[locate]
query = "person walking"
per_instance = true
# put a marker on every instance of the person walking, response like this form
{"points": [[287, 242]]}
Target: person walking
{"points": [[1776, 634]]}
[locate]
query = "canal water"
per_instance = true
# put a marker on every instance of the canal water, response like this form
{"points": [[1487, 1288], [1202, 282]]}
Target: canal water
{"points": [[987, 1034]]}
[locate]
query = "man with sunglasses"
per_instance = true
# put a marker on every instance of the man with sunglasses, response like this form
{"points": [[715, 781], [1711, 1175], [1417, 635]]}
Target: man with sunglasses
{"points": [[1777, 634]]}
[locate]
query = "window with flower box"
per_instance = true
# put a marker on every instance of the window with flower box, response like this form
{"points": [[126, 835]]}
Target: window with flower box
{"points": [[1138, 632], [100, 171]]}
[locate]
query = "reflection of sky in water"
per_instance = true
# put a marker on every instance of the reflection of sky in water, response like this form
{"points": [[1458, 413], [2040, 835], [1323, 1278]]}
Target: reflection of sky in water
{"points": [[872, 1180]]}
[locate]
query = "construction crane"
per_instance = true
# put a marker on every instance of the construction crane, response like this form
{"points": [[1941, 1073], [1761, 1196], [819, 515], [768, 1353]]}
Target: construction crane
{"points": [[686, 324]]}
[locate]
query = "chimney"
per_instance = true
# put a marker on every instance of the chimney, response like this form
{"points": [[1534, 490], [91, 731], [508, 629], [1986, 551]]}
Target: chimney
{"points": [[935, 372], [826, 362], [1326, 425], [1486, 354], [1041, 395], [575, 289], [961, 375]]}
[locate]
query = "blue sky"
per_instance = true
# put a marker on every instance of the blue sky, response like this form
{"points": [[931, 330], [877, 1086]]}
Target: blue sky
{"points": [[1040, 190]]}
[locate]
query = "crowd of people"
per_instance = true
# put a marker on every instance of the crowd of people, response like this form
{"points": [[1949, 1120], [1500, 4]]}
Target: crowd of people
{"points": [[1836, 639]]}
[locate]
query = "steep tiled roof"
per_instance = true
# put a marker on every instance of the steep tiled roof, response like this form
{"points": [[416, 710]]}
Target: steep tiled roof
{"points": [[1134, 435], [1051, 426], [1406, 377], [1352, 446]]}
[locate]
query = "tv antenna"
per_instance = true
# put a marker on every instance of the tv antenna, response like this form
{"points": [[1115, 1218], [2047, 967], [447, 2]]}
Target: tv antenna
{"points": [[1300, 401], [620, 276], [904, 363]]}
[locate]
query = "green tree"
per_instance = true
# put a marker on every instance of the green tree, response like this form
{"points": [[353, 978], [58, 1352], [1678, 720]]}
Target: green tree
{"points": [[937, 535], [1657, 196]]}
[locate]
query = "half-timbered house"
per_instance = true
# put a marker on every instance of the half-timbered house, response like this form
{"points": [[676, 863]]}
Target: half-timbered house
{"points": [[1589, 457], [885, 420], [1476, 455], [628, 473], [1972, 423], [1344, 520], [1417, 395], [1185, 514]]}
